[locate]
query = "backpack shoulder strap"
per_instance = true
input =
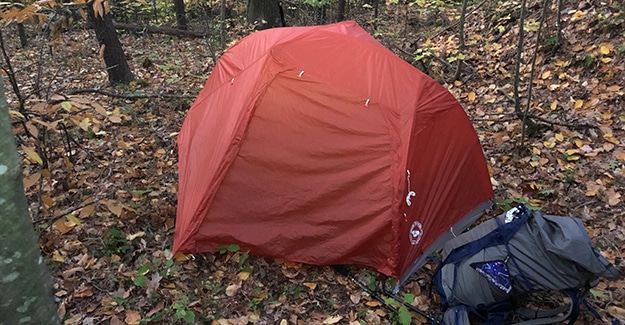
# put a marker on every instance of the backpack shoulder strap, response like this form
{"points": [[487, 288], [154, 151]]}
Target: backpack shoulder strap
{"points": [[476, 233]]}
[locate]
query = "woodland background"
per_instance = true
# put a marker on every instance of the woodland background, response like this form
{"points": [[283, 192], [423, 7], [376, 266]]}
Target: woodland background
{"points": [[544, 88]]}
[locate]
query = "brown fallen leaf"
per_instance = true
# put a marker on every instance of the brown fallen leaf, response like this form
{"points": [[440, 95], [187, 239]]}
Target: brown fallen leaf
{"points": [[232, 290], [132, 317]]}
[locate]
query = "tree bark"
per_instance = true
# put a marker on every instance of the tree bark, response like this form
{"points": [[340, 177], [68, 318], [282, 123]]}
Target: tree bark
{"points": [[181, 15], [340, 12], [461, 44], [22, 33], [263, 13], [25, 284], [114, 57], [222, 23]]}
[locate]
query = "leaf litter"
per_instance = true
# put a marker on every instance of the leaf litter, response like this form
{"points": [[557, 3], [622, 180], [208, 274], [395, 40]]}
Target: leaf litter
{"points": [[104, 189]]}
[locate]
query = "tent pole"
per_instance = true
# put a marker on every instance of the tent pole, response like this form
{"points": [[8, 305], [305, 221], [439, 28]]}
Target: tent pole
{"points": [[342, 270]]}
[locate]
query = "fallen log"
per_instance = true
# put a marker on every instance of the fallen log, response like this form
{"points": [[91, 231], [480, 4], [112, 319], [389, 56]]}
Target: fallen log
{"points": [[159, 30]]}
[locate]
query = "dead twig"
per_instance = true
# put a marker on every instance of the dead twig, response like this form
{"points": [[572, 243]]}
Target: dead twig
{"points": [[538, 118], [116, 95], [68, 212]]}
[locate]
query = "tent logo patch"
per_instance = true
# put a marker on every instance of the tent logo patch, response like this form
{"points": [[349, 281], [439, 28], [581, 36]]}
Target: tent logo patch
{"points": [[416, 232]]}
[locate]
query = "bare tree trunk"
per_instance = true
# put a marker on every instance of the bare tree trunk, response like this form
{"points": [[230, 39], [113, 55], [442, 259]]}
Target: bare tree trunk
{"points": [[263, 13], [114, 57], [376, 9], [517, 67], [546, 5], [222, 19], [25, 284], [461, 44], [181, 15], [340, 12], [22, 33], [559, 24]]}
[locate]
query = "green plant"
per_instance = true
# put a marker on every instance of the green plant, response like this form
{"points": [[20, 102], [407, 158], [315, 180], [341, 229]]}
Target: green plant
{"points": [[371, 281], [182, 311], [233, 248], [215, 288], [421, 54], [456, 55], [115, 242], [254, 303], [509, 203], [403, 315], [293, 290], [569, 174]]}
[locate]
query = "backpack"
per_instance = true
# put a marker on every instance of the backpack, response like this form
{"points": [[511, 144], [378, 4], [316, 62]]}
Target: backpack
{"points": [[488, 268]]}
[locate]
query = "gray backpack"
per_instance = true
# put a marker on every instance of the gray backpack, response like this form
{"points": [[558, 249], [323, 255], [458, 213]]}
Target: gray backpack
{"points": [[486, 269]]}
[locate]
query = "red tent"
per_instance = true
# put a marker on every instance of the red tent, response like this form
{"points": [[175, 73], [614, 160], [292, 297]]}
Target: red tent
{"points": [[319, 145]]}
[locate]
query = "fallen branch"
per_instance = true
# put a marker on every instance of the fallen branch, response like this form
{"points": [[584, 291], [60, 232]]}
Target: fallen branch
{"points": [[116, 95], [66, 213], [538, 118], [160, 30]]}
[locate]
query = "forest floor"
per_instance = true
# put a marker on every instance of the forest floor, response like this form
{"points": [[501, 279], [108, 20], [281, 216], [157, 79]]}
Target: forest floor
{"points": [[103, 182]]}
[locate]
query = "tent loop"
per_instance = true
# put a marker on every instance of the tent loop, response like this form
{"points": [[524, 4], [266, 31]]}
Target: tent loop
{"points": [[410, 193], [232, 81], [300, 73], [367, 102], [451, 230]]}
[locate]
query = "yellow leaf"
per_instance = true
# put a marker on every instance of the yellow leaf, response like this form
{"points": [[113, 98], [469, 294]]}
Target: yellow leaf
{"points": [[610, 138], [577, 48], [606, 60], [579, 143], [578, 15], [605, 48], [534, 163], [179, 257], [549, 144], [536, 151], [32, 154], [578, 104], [559, 137], [66, 106], [134, 236], [243, 275], [554, 105], [573, 152], [310, 285], [372, 303], [73, 219], [293, 265], [16, 114], [56, 256], [572, 158], [471, 96], [457, 83], [545, 75]]}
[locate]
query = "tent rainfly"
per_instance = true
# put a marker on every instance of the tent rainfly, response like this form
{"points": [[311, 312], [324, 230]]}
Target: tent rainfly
{"points": [[319, 145]]}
